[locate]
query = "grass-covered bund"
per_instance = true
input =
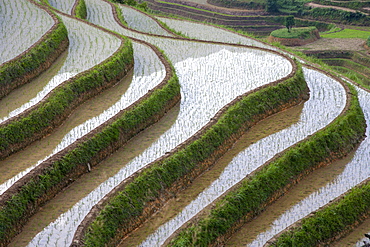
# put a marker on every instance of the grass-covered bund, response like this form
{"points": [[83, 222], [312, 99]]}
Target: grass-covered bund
{"points": [[39, 120], [24, 198], [330, 222], [252, 195], [34, 60], [79, 9], [142, 194]]}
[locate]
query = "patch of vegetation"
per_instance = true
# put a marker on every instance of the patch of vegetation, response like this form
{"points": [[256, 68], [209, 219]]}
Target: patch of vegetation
{"points": [[347, 34], [80, 11], [337, 15], [349, 64], [143, 6], [330, 221], [243, 4], [295, 33], [254, 193], [347, 4]]}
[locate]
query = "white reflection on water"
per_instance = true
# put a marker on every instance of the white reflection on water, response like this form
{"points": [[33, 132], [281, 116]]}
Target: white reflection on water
{"points": [[205, 90], [145, 78], [354, 173], [64, 6], [22, 24], [326, 94], [88, 46]]}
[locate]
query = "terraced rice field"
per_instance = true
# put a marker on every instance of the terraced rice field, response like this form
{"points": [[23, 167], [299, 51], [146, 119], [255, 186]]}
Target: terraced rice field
{"points": [[211, 75], [21, 25]]}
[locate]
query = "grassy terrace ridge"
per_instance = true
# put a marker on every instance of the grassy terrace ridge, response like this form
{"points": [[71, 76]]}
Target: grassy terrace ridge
{"points": [[295, 33], [39, 120], [330, 222], [25, 197], [252, 195], [145, 191], [36, 59], [79, 9]]}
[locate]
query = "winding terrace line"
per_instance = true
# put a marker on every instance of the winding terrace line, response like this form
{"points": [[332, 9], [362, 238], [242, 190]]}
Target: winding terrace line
{"points": [[362, 105], [176, 130], [145, 76], [257, 154], [19, 62], [355, 172]]}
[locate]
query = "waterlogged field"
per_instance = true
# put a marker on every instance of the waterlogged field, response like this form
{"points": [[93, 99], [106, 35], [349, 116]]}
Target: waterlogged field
{"points": [[211, 75], [64, 6], [141, 22], [200, 31], [145, 78], [22, 24], [88, 47], [356, 171], [207, 84], [325, 93]]}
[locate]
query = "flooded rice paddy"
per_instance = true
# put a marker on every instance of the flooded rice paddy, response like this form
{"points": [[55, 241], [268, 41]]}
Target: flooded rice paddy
{"points": [[204, 92], [211, 75], [22, 24], [324, 92]]}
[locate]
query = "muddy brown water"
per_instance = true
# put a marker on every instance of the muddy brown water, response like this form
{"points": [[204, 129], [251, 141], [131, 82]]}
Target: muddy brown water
{"points": [[29, 156], [311, 183], [264, 128], [88, 182], [25, 93]]}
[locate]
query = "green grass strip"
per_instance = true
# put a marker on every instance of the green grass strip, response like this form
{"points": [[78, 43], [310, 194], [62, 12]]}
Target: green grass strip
{"points": [[254, 193], [50, 112], [295, 33], [80, 10], [348, 34], [330, 221], [129, 203], [26, 201], [19, 68]]}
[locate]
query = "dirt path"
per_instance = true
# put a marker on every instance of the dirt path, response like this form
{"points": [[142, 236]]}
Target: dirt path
{"points": [[315, 5]]}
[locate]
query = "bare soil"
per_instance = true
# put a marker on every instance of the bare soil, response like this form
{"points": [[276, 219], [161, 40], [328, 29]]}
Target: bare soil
{"points": [[354, 44]]}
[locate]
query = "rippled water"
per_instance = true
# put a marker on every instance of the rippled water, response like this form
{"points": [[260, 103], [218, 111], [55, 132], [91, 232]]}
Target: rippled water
{"points": [[88, 47], [64, 6], [325, 93], [21, 25], [354, 173], [204, 91]]}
